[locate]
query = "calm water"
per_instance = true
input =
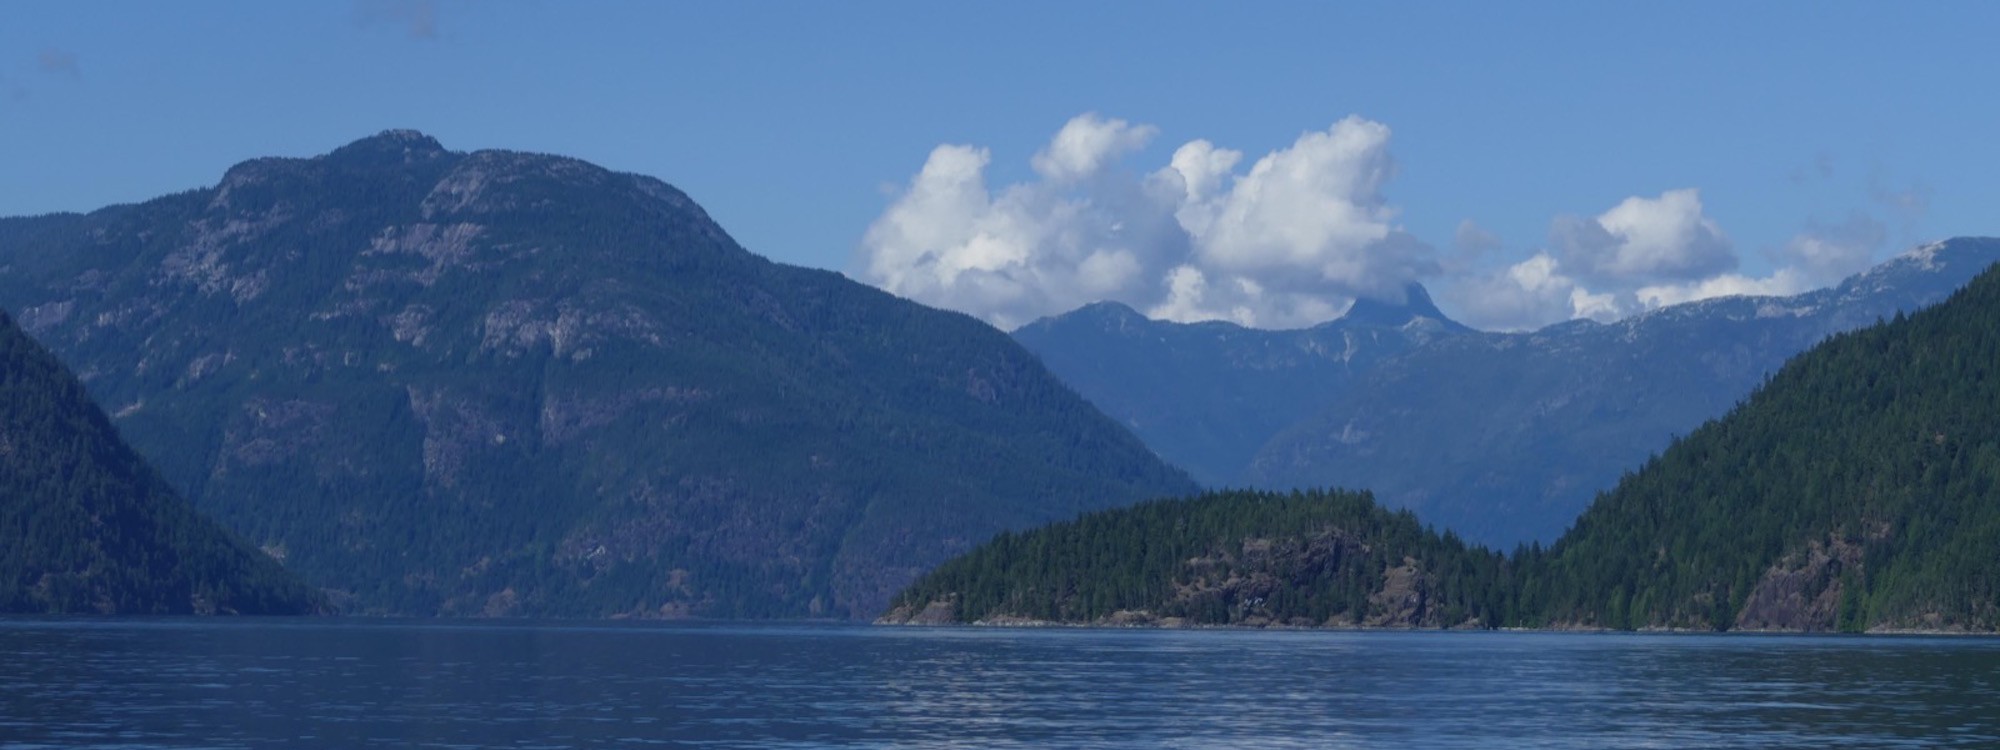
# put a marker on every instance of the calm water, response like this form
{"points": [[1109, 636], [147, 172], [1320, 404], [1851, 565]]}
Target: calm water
{"points": [[355, 684]]}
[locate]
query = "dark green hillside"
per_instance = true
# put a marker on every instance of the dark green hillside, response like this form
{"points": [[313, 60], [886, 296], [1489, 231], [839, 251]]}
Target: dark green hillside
{"points": [[87, 526], [498, 383], [1243, 558], [1858, 489]]}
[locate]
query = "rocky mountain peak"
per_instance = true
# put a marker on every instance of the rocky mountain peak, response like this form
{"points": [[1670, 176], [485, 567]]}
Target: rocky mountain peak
{"points": [[400, 198], [390, 147], [1112, 314], [563, 388], [1980, 251], [1416, 305], [1105, 315]]}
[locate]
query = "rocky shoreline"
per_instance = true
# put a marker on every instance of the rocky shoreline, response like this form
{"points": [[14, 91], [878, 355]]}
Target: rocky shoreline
{"points": [[939, 614]]}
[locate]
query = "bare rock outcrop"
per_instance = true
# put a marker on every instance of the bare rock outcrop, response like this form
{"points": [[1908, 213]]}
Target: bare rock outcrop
{"points": [[1801, 592], [1404, 599], [938, 612]]}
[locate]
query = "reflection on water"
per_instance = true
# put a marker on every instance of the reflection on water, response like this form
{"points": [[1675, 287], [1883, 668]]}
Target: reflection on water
{"points": [[351, 684]]}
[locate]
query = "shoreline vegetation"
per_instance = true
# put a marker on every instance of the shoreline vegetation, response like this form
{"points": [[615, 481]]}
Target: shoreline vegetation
{"points": [[1851, 493], [1174, 624]]}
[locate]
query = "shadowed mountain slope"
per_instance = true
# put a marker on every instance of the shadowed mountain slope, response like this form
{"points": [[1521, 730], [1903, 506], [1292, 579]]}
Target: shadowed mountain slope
{"points": [[86, 526], [517, 384]]}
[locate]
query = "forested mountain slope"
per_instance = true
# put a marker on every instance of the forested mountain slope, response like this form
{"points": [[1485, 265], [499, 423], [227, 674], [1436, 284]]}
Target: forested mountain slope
{"points": [[86, 526], [1305, 559], [1858, 489], [517, 384]]}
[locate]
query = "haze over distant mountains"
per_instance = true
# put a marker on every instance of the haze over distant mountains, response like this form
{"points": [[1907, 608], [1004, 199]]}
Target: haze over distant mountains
{"points": [[1853, 491], [1208, 396], [515, 384], [1501, 437]]}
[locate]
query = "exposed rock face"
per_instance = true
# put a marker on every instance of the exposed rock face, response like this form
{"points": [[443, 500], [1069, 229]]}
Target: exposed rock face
{"points": [[1404, 599], [938, 612], [509, 384], [1242, 582], [1802, 591]]}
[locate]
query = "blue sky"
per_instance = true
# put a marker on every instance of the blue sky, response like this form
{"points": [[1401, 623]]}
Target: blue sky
{"points": [[1608, 157]]}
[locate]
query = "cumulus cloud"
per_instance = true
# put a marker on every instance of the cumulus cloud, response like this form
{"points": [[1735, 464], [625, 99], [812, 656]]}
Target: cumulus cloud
{"points": [[1291, 238], [1647, 253], [1526, 295], [1027, 251], [1292, 241], [1781, 282], [1309, 218], [1087, 144], [1644, 240]]}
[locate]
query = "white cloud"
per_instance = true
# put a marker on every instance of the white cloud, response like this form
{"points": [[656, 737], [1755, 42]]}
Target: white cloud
{"points": [[1196, 176], [1305, 219], [1821, 255], [1189, 299], [1531, 294], [1242, 300], [1086, 144], [1648, 253], [1012, 256], [1602, 308], [1289, 243], [937, 213], [1781, 282], [1526, 295], [1291, 240], [1645, 240]]}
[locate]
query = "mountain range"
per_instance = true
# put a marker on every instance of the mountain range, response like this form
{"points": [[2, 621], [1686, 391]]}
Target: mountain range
{"points": [[1854, 491], [1501, 437], [501, 383], [496, 383]]}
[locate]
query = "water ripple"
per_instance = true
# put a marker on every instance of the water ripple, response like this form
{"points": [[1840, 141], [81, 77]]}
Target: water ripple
{"points": [[366, 684]]}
